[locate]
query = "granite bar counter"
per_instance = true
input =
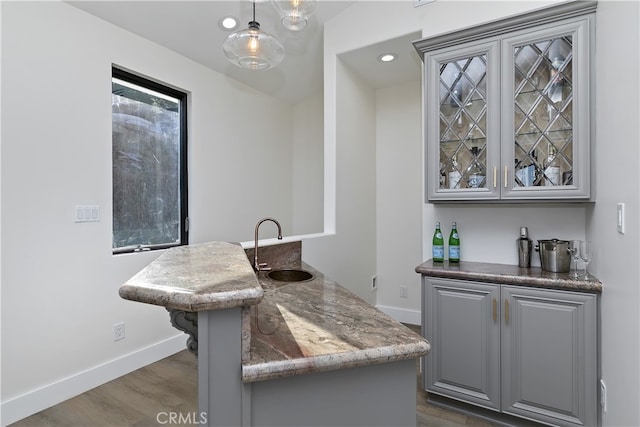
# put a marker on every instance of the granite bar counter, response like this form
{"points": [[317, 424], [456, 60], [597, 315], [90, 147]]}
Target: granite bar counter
{"points": [[267, 349], [207, 276], [317, 325], [508, 275]]}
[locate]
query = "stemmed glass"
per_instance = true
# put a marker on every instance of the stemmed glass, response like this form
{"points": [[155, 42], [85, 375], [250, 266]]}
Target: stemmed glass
{"points": [[574, 251], [586, 254]]}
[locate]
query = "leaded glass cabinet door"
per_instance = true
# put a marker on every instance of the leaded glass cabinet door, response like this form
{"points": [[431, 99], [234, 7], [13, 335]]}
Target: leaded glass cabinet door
{"points": [[546, 120], [462, 122]]}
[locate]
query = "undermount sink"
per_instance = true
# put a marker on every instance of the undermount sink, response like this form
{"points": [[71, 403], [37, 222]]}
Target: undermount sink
{"points": [[289, 275]]}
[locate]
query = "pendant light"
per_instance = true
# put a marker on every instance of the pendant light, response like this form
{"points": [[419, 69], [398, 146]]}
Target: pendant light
{"points": [[252, 48], [295, 13]]}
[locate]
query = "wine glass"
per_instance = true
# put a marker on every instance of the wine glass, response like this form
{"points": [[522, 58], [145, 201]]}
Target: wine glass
{"points": [[586, 253], [574, 251]]}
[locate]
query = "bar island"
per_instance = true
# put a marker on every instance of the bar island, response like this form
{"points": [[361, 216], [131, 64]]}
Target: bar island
{"points": [[274, 351]]}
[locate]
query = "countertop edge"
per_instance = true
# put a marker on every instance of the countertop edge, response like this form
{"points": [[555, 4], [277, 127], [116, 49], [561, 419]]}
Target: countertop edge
{"points": [[177, 301], [510, 275], [330, 362], [196, 277]]}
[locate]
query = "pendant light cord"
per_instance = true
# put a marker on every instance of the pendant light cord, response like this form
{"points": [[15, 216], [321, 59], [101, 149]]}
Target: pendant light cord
{"points": [[253, 24]]}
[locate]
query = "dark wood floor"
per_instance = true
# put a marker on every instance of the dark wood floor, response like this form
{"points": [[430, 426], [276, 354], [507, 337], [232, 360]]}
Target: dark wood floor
{"points": [[146, 396]]}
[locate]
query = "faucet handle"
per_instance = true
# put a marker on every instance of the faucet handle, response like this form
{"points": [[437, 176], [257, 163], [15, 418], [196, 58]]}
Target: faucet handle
{"points": [[262, 266]]}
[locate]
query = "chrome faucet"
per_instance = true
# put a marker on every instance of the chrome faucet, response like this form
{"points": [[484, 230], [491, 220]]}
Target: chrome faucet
{"points": [[263, 266]]}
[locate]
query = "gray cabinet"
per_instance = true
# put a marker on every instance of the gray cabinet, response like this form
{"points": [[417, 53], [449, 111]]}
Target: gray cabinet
{"points": [[517, 350], [462, 122], [459, 322], [508, 108], [549, 355]]}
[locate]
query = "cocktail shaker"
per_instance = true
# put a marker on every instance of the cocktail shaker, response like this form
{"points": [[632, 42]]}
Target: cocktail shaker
{"points": [[524, 248]]}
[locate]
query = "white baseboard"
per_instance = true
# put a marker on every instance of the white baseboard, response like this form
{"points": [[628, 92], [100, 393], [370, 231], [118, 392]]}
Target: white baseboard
{"points": [[403, 315], [37, 400]]}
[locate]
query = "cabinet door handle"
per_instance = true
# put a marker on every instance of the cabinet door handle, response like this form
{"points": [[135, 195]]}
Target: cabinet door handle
{"points": [[495, 310], [505, 177], [506, 311], [495, 176]]}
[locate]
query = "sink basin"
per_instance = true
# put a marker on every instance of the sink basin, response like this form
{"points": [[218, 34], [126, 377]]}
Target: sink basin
{"points": [[289, 275]]}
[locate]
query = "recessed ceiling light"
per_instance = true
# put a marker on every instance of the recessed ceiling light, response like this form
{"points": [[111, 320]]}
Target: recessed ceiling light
{"points": [[228, 23], [387, 57]]}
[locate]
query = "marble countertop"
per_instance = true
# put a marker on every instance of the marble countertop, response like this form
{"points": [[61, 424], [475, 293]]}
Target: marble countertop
{"points": [[317, 325], [207, 276], [287, 328], [509, 275]]}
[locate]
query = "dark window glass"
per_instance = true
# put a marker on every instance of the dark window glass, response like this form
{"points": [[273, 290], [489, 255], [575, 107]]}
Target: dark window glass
{"points": [[149, 164]]}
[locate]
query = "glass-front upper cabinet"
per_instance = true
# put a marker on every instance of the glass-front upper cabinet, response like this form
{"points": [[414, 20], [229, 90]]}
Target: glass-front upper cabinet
{"points": [[546, 131], [507, 112], [463, 118]]}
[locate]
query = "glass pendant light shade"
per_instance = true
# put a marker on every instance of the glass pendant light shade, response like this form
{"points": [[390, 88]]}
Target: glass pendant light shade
{"points": [[295, 13], [253, 49]]}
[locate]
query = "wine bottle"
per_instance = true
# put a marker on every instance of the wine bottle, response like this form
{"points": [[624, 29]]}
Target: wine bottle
{"points": [[454, 244], [526, 173], [455, 100], [454, 173], [476, 176], [551, 170], [438, 245], [557, 81]]}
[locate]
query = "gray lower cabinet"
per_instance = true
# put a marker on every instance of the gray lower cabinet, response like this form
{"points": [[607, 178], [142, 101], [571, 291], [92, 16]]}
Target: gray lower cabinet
{"points": [[517, 350], [458, 321]]}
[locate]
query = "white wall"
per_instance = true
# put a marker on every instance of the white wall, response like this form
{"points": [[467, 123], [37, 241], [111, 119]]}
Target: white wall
{"points": [[399, 198], [488, 232], [59, 279], [349, 256], [617, 155], [308, 162]]}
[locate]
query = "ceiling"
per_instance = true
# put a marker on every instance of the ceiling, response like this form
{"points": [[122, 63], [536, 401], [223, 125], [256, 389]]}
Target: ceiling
{"points": [[191, 29]]}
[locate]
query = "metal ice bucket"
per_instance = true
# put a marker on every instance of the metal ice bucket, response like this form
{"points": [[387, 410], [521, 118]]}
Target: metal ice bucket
{"points": [[554, 255]]}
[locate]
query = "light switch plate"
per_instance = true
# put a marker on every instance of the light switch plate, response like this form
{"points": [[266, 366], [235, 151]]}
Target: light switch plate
{"points": [[620, 216], [87, 213]]}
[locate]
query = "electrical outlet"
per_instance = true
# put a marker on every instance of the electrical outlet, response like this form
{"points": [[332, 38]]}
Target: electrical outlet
{"points": [[603, 395], [374, 283], [118, 331], [404, 292]]}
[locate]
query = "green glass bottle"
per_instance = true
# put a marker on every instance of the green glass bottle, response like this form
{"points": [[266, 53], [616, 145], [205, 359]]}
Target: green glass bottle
{"points": [[438, 245], [454, 244]]}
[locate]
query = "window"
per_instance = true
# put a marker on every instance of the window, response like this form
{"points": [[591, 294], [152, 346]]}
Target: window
{"points": [[149, 147]]}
